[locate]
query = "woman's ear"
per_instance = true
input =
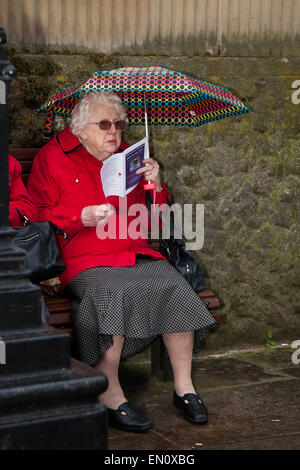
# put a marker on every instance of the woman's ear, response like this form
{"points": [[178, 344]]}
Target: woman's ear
{"points": [[82, 136]]}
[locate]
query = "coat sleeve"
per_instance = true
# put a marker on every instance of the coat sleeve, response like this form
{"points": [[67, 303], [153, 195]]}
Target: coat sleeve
{"points": [[43, 187], [18, 195]]}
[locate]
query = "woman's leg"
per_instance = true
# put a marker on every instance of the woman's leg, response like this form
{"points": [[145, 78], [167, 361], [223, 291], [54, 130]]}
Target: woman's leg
{"points": [[113, 397], [185, 398], [180, 350]]}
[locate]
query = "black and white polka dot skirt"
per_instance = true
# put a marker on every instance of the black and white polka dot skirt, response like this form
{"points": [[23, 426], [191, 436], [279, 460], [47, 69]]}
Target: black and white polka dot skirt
{"points": [[138, 302]]}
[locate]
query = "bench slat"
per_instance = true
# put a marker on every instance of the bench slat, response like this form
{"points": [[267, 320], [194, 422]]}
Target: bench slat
{"points": [[61, 319], [26, 167], [25, 179], [206, 293], [70, 331], [59, 302], [25, 158], [24, 154], [213, 303]]}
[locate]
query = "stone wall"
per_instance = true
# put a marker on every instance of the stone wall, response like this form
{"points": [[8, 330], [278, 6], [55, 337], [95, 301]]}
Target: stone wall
{"points": [[245, 170]]}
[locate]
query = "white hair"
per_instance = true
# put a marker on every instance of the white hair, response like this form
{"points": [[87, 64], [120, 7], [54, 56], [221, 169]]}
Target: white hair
{"points": [[81, 113]]}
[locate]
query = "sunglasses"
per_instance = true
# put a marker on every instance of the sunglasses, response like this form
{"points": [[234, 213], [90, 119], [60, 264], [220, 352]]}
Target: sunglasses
{"points": [[105, 125]]}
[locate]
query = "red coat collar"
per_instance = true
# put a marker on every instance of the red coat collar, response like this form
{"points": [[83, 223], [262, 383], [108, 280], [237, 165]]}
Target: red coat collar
{"points": [[67, 140]]}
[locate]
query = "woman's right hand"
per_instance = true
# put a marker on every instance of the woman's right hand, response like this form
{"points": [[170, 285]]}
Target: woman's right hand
{"points": [[91, 216]]}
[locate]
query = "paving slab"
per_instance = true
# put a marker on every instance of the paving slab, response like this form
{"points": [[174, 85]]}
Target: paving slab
{"points": [[253, 398]]}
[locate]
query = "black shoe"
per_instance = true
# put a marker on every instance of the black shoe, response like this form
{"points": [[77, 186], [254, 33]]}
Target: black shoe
{"points": [[127, 419], [195, 410]]}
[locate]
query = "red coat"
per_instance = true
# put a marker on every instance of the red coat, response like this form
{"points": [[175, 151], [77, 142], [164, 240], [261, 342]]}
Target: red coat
{"points": [[18, 195], [64, 179]]}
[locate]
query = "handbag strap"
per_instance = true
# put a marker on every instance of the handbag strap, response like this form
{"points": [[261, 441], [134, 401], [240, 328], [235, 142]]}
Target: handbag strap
{"points": [[149, 204], [23, 217], [26, 221], [58, 230]]}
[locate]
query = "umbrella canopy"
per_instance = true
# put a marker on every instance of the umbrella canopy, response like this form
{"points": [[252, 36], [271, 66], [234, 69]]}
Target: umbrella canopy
{"points": [[173, 98]]}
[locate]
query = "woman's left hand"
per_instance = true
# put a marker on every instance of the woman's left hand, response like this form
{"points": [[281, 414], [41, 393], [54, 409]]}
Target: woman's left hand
{"points": [[151, 172], [51, 287]]}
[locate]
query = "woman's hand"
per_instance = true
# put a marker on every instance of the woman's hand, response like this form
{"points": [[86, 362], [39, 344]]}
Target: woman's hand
{"points": [[50, 287], [151, 172], [91, 216]]}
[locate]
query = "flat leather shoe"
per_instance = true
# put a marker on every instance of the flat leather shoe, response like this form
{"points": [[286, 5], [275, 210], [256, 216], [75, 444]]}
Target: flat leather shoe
{"points": [[127, 419], [194, 410]]}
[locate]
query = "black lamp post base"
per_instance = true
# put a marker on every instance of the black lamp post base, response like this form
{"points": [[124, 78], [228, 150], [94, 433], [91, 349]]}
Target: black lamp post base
{"points": [[59, 414], [47, 401]]}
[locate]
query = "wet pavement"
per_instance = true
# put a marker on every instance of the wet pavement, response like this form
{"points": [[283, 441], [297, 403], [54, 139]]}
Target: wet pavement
{"points": [[253, 399]]}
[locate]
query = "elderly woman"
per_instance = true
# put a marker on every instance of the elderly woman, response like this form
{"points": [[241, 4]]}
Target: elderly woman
{"points": [[124, 293]]}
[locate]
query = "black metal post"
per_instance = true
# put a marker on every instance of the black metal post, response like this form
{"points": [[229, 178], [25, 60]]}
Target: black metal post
{"points": [[7, 72], [47, 399]]}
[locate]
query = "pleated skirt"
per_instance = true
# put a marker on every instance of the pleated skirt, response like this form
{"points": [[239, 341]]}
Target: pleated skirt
{"points": [[138, 302]]}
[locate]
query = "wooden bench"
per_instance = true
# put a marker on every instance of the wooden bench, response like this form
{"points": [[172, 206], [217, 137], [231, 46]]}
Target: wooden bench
{"points": [[60, 307]]}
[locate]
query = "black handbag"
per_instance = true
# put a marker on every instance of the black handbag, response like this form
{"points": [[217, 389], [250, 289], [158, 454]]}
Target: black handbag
{"points": [[176, 253], [38, 239]]}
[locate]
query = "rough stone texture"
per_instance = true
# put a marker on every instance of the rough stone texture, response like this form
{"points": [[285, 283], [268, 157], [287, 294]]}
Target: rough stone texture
{"points": [[245, 170]]}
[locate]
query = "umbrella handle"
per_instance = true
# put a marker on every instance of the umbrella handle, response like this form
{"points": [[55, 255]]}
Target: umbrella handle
{"points": [[149, 185]]}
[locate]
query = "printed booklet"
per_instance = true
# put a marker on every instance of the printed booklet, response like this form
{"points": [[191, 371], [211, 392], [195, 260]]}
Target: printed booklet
{"points": [[118, 173]]}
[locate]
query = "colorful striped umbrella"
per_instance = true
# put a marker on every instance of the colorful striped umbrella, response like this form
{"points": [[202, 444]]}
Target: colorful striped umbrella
{"points": [[172, 97]]}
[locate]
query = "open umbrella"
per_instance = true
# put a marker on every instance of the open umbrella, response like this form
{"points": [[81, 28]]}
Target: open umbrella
{"points": [[173, 98], [155, 95]]}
